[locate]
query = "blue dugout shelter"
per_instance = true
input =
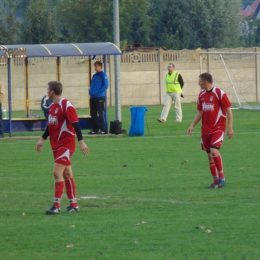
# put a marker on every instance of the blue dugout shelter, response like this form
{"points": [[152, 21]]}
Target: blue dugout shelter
{"points": [[27, 51]]}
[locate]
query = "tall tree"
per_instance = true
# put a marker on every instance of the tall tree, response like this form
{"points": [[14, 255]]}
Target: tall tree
{"points": [[86, 20], [232, 23], [21, 6], [92, 21], [8, 24], [135, 23], [207, 23], [251, 32], [38, 24], [170, 23], [257, 33], [195, 23]]}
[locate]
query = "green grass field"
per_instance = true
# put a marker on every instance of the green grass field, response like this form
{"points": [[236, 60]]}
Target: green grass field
{"points": [[141, 198]]}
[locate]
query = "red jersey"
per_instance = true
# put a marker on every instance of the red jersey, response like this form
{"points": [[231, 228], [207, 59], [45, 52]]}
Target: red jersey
{"points": [[60, 119], [213, 105]]}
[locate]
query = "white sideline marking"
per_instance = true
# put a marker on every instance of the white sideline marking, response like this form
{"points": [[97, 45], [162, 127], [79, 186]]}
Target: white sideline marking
{"points": [[7, 193], [88, 197], [174, 136], [130, 138]]}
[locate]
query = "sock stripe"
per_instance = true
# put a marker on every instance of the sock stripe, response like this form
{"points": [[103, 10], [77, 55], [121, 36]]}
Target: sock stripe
{"points": [[71, 192]]}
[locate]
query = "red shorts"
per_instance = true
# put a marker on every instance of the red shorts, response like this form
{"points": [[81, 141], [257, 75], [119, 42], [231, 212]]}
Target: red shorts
{"points": [[212, 140], [63, 156]]}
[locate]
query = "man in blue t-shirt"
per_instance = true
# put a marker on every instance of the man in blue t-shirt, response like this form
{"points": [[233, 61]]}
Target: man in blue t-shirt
{"points": [[97, 92]]}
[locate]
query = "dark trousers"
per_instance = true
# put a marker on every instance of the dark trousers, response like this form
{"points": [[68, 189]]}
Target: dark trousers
{"points": [[1, 121], [97, 108]]}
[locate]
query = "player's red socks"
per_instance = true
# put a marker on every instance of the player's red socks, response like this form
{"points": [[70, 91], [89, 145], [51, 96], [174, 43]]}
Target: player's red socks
{"points": [[58, 191], [70, 189], [219, 166], [71, 192], [214, 172]]}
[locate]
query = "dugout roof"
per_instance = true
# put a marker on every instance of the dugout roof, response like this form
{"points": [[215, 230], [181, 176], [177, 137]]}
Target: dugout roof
{"points": [[59, 50]]}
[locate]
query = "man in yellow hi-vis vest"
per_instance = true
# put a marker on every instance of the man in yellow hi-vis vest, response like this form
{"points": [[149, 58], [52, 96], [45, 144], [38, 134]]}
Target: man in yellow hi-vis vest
{"points": [[174, 84]]}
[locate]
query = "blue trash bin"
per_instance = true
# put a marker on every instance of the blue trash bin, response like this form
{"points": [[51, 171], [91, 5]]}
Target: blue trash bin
{"points": [[137, 121]]}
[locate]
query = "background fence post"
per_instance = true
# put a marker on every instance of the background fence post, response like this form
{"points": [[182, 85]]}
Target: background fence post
{"points": [[161, 76], [256, 74]]}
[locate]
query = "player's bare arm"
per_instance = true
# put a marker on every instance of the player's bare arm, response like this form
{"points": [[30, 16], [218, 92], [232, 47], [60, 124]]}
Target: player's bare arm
{"points": [[230, 131], [83, 147], [195, 121], [39, 145]]}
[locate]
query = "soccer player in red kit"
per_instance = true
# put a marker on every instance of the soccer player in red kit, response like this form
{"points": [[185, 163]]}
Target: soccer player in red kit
{"points": [[213, 107], [62, 126]]}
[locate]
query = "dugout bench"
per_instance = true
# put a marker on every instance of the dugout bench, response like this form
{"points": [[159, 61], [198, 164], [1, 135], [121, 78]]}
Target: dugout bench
{"points": [[29, 124]]}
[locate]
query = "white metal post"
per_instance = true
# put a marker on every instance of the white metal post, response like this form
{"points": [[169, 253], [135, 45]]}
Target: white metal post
{"points": [[117, 60]]}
